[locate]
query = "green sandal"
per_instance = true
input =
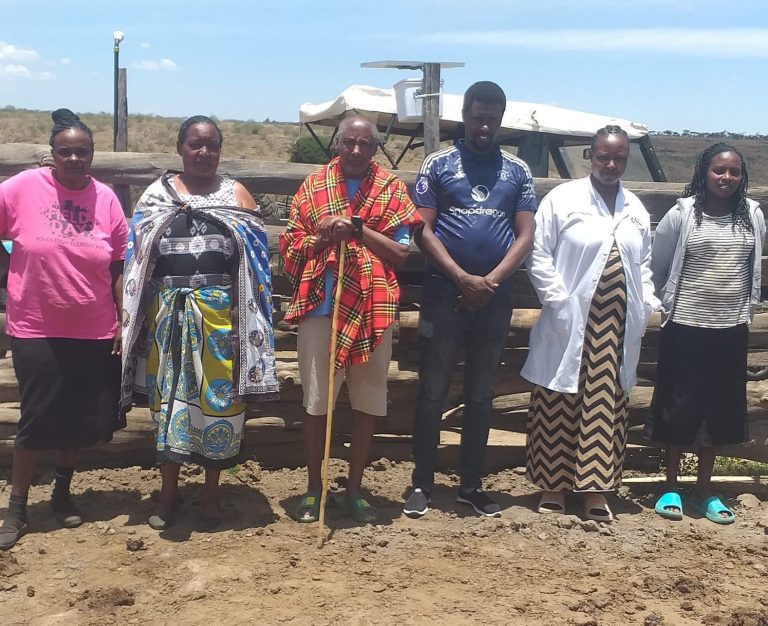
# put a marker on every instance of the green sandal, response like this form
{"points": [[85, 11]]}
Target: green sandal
{"points": [[308, 510], [360, 509]]}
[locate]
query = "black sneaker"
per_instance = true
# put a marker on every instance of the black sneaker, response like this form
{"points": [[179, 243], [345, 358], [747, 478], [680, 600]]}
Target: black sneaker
{"points": [[417, 503], [482, 504], [65, 512]]}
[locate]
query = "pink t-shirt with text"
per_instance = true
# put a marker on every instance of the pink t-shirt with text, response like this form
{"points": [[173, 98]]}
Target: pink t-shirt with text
{"points": [[64, 240]]}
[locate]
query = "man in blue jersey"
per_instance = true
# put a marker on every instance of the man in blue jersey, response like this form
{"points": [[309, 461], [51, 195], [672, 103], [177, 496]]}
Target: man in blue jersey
{"points": [[477, 204]]}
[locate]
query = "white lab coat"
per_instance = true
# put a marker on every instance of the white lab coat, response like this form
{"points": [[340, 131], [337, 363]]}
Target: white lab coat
{"points": [[574, 235]]}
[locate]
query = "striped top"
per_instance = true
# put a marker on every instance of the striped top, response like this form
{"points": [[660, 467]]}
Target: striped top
{"points": [[715, 280]]}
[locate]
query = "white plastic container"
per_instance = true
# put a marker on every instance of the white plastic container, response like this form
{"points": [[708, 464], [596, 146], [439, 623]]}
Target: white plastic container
{"points": [[410, 102]]}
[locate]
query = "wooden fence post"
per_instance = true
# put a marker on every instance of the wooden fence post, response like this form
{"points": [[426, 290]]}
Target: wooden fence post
{"points": [[123, 192], [431, 107]]}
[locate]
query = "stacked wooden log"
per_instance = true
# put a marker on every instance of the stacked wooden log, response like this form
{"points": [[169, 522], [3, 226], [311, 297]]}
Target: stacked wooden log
{"points": [[273, 433]]}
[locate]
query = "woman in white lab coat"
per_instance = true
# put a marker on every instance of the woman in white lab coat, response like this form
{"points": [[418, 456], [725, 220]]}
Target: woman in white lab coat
{"points": [[590, 269]]}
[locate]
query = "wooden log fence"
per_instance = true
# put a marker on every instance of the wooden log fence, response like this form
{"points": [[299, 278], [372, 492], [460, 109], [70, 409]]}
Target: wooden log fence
{"points": [[273, 433], [140, 169]]}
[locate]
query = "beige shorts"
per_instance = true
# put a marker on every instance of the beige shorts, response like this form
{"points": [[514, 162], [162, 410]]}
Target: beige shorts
{"points": [[366, 382]]}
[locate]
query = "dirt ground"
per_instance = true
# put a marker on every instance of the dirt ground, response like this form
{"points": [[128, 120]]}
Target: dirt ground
{"points": [[450, 567]]}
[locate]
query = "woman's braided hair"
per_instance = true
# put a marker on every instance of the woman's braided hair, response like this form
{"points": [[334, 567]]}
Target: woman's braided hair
{"points": [[697, 188], [605, 131], [64, 119]]}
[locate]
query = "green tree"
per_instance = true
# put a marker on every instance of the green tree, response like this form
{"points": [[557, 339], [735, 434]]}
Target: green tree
{"points": [[307, 150]]}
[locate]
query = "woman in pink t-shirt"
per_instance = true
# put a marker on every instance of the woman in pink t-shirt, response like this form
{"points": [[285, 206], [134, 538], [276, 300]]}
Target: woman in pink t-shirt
{"points": [[64, 294]]}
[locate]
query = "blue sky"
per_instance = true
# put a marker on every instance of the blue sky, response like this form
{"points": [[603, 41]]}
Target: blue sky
{"points": [[684, 64]]}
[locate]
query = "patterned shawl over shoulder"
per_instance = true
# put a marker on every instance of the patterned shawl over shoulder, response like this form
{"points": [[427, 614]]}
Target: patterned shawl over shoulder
{"points": [[370, 292], [254, 374]]}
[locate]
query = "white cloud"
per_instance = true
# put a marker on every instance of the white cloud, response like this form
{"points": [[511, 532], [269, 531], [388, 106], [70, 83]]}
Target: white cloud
{"points": [[726, 42], [23, 63], [162, 64], [9, 52], [145, 45], [14, 71], [64, 61], [10, 71]]}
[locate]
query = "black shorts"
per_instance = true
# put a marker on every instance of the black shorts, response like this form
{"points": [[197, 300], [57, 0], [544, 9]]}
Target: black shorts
{"points": [[70, 392]]}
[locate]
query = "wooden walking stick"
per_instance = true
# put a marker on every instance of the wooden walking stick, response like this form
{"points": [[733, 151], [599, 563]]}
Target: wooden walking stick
{"points": [[329, 412]]}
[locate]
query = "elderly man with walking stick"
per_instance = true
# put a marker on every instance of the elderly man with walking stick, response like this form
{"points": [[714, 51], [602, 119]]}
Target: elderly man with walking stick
{"points": [[350, 218]]}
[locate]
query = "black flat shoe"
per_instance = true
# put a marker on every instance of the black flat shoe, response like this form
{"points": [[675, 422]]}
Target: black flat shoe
{"points": [[11, 531]]}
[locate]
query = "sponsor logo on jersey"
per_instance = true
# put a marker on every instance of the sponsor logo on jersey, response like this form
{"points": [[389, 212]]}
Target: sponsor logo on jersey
{"points": [[497, 213], [480, 193]]}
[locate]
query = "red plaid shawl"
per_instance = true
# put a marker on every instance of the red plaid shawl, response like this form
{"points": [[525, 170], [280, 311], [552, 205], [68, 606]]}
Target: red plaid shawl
{"points": [[370, 292]]}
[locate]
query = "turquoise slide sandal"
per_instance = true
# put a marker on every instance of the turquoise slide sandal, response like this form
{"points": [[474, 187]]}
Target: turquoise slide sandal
{"points": [[713, 508], [670, 505]]}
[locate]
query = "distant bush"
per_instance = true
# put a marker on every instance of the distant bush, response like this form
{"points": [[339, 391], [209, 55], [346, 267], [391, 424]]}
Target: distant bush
{"points": [[307, 150]]}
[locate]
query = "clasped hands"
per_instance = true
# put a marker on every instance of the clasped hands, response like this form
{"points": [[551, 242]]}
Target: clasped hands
{"points": [[476, 291], [334, 229]]}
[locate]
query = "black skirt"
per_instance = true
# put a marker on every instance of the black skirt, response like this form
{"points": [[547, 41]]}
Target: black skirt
{"points": [[701, 388], [70, 392]]}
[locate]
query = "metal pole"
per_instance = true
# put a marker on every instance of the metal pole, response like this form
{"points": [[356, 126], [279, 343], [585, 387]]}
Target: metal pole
{"points": [[114, 135], [652, 160]]}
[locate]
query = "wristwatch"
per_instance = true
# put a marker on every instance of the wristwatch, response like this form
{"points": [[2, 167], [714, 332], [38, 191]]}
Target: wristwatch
{"points": [[357, 227]]}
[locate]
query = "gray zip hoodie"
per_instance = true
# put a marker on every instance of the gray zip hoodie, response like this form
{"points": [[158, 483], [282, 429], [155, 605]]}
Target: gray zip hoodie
{"points": [[668, 251]]}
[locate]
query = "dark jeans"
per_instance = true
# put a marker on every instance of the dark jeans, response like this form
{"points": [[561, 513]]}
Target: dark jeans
{"points": [[484, 334]]}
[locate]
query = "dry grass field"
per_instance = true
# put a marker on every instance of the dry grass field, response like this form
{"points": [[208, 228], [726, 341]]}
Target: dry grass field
{"points": [[266, 141], [678, 155], [273, 141], [149, 133]]}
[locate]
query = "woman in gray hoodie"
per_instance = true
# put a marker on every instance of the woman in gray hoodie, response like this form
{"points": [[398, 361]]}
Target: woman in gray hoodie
{"points": [[706, 270]]}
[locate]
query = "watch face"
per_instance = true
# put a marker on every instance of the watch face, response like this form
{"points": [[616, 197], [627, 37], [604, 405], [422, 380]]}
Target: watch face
{"points": [[357, 224]]}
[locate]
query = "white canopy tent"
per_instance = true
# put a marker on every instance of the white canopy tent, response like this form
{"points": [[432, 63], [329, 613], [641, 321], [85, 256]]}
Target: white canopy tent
{"points": [[380, 104], [532, 127]]}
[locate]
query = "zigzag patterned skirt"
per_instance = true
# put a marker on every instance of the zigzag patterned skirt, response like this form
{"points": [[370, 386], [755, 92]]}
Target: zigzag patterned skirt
{"points": [[576, 441]]}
